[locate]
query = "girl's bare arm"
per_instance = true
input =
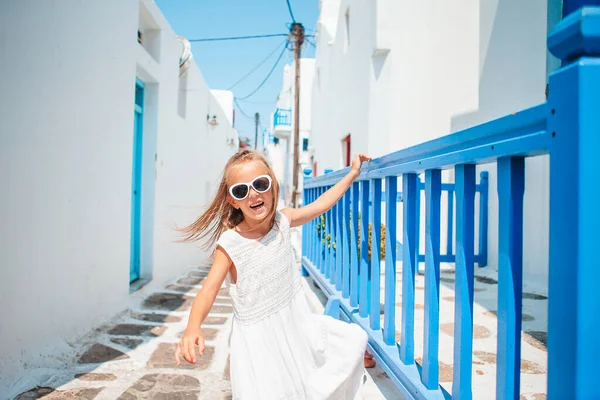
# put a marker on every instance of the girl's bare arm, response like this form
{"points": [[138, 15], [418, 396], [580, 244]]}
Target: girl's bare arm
{"points": [[300, 216], [201, 307]]}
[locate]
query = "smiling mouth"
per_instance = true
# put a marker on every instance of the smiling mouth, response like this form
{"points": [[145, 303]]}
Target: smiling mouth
{"points": [[258, 205]]}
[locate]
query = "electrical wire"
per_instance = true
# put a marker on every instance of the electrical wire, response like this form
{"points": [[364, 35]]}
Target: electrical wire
{"points": [[269, 74], [270, 102], [290, 10], [311, 42], [235, 100], [255, 68], [238, 37]]}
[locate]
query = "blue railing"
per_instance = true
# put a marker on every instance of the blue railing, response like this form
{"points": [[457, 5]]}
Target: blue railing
{"points": [[449, 189], [566, 128], [282, 117]]}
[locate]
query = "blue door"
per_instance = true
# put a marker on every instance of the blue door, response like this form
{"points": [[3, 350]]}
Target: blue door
{"points": [[136, 187]]}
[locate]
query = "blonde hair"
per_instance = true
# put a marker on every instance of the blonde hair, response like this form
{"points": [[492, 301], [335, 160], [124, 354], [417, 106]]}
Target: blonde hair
{"points": [[220, 215]]}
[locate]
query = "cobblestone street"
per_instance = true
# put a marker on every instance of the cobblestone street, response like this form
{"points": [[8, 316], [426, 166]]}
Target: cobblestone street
{"points": [[132, 357]]}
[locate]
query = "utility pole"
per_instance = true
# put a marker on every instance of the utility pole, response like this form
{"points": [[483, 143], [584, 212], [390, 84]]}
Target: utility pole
{"points": [[256, 117], [298, 33]]}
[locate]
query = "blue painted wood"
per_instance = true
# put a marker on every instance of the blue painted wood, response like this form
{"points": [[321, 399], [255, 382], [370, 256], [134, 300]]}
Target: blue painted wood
{"points": [[570, 6], [511, 185], [323, 237], [328, 236], [464, 280], [307, 235], [482, 257], [571, 137], [522, 133], [409, 266], [354, 266], [433, 190], [346, 229], [136, 189], [333, 308], [576, 35], [375, 273], [339, 248], [417, 249], [313, 230], [450, 221], [389, 304], [332, 252], [365, 264], [573, 117], [406, 378]]}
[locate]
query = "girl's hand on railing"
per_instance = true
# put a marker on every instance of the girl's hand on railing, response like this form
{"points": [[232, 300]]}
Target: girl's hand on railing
{"points": [[357, 163], [187, 346]]}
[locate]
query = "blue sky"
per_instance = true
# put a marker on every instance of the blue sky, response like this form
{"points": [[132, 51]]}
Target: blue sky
{"points": [[224, 63]]}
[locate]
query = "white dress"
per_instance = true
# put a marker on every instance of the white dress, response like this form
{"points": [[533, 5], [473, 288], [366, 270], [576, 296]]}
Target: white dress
{"points": [[280, 349]]}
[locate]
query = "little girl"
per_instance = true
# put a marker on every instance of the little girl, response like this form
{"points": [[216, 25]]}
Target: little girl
{"points": [[279, 349]]}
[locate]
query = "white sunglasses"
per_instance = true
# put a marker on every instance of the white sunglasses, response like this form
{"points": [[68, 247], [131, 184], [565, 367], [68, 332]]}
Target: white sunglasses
{"points": [[260, 184]]}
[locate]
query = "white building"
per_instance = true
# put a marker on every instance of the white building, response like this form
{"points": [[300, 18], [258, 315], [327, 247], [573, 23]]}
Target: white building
{"points": [[96, 171], [281, 151], [391, 74]]}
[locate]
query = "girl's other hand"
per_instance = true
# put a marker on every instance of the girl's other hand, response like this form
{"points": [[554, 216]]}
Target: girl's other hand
{"points": [[357, 162], [187, 346]]}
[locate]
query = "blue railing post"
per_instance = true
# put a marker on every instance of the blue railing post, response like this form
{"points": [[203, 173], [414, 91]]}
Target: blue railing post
{"points": [[306, 233], [332, 241], [374, 295], [346, 231], [328, 237], [463, 306], [418, 227], [573, 122], [389, 304], [365, 264], [354, 246], [340, 240], [433, 190], [409, 266], [450, 222], [483, 219], [511, 187]]}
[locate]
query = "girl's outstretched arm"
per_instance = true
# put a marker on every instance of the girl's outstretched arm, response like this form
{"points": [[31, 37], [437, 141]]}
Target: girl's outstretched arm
{"points": [[202, 304], [300, 216]]}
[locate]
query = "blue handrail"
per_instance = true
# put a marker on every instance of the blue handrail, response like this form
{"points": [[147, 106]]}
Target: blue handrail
{"points": [[282, 117], [566, 128]]}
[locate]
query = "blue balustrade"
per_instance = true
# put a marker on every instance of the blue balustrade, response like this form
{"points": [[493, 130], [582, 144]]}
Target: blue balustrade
{"points": [[282, 117], [566, 128]]}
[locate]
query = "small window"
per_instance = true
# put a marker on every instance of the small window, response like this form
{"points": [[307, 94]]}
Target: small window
{"points": [[304, 144], [276, 140]]}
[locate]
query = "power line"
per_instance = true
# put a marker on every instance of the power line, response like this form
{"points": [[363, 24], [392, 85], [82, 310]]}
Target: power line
{"points": [[258, 102], [237, 37], [235, 100], [311, 42], [255, 68], [269, 74], [290, 10]]}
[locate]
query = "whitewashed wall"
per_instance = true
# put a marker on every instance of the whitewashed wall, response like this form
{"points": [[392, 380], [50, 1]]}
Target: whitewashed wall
{"points": [[395, 74], [66, 143]]}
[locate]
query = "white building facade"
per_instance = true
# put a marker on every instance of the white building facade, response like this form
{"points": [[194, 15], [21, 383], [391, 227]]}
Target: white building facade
{"points": [[280, 149], [390, 75], [106, 146]]}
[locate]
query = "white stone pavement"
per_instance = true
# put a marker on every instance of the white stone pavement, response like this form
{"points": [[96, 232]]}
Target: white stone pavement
{"points": [[132, 356]]}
